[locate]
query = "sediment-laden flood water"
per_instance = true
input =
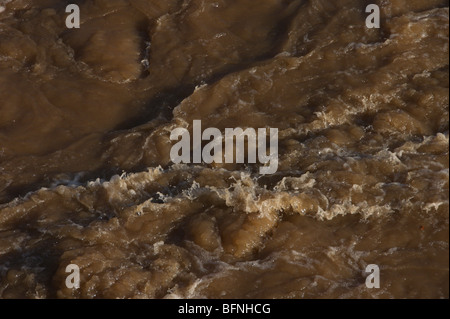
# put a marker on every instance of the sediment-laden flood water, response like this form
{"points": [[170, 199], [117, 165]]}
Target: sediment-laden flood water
{"points": [[86, 176]]}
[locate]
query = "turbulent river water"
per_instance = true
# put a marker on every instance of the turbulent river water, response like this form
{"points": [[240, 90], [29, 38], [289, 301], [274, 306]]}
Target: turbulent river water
{"points": [[86, 176]]}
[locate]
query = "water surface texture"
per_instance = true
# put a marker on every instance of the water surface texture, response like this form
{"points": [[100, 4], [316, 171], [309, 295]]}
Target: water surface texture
{"points": [[86, 176]]}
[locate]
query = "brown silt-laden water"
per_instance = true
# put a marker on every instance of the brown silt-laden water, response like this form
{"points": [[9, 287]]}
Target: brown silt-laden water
{"points": [[87, 178]]}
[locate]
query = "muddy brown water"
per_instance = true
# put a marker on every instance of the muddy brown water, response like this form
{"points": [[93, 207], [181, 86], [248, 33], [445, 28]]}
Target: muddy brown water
{"points": [[86, 177]]}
